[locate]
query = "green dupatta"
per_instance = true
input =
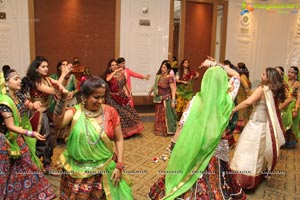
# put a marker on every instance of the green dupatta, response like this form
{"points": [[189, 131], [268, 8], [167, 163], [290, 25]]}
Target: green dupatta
{"points": [[156, 98], [286, 113], [208, 117], [185, 90], [31, 142], [13, 147], [84, 157]]}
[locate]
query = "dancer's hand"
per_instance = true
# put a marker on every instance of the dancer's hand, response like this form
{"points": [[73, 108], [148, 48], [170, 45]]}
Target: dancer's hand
{"points": [[116, 176], [147, 77], [211, 58], [62, 92], [36, 105], [65, 70], [39, 136], [208, 62]]}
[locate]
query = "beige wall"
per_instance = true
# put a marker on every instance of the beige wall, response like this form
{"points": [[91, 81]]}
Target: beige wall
{"points": [[144, 47], [268, 39], [14, 35]]}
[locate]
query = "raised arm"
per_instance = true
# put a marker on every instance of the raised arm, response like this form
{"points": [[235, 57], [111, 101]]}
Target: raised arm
{"points": [[230, 72], [256, 95], [210, 63], [137, 75], [111, 75], [65, 70], [61, 116], [46, 88]]}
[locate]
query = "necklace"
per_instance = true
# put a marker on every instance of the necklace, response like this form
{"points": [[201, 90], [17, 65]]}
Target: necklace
{"points": [[15, 99], [88, 135], [164, 76], [92, 114], [186, 71], [117, 75]]}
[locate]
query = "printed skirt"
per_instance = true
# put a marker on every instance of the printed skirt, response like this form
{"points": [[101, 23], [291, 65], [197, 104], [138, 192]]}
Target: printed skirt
{"points": [[20, 178]]}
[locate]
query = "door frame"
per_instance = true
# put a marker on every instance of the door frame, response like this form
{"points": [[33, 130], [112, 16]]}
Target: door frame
{"points": [[214, 28]]}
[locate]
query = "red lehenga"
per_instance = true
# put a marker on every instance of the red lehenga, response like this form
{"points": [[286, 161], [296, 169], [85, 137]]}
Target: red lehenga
{"points": [[20, 178], [131, 123], [216, 182], [165, 116]]}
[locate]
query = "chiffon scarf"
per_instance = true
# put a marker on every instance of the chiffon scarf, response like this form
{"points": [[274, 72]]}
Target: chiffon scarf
{"points": [[14, 149], [89, 152], [201, 133]]}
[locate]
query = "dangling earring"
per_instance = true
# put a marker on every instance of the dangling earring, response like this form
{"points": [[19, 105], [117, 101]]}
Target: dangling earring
{"points": [[83, 100], [6, 88]]}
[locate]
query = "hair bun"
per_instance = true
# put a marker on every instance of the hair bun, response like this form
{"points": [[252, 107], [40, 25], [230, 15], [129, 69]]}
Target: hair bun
{"points": [[5, 68]]}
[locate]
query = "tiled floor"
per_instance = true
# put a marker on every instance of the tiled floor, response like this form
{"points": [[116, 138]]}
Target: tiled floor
{"points": [[140, 151]]}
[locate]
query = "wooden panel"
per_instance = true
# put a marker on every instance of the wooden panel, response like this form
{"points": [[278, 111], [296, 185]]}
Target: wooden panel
{"points": [[198, 34], [85, 29]]}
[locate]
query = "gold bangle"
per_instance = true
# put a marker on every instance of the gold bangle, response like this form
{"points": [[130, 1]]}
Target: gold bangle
{"points": [[295, 109]]}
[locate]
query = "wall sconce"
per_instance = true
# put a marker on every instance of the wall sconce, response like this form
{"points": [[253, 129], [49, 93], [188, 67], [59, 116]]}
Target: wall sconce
{"points": [[145, 9]]}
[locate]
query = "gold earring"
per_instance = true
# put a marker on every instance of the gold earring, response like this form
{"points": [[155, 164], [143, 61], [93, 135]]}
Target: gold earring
{"points": [[83, 100], [6, 88]]}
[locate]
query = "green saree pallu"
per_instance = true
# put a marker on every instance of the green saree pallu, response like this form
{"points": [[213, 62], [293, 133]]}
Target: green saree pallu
{"points": [[286, 116], [156, 98], [295, 123], [185, 90], [171, 116], [31, 142], [14, 149], [89, 152], [209, 115]]}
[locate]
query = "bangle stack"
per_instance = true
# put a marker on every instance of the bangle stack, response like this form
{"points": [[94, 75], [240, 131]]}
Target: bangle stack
{"points": [[29, 133], [59, 106], [120, 166], [295, 109]]}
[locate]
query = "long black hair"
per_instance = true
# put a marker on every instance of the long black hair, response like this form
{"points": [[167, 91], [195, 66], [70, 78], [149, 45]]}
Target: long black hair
{"points": [[181, 68], [168, 65], [108, 69], [32, 77], [275, 82]]}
